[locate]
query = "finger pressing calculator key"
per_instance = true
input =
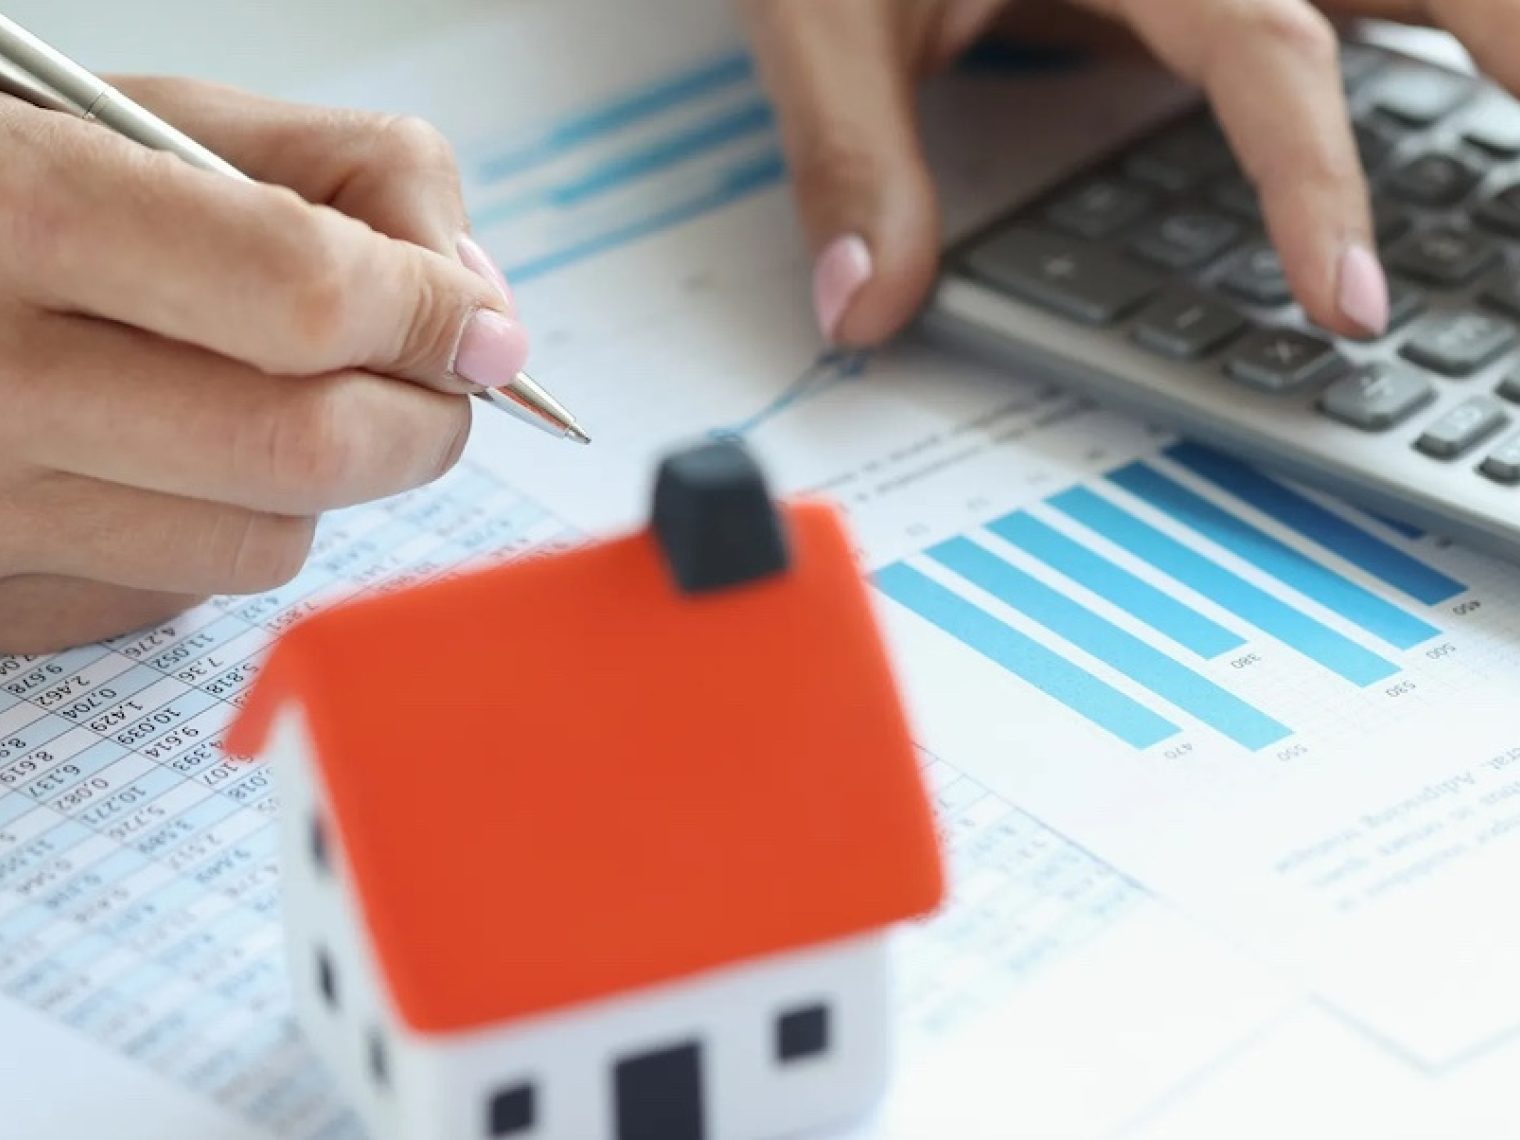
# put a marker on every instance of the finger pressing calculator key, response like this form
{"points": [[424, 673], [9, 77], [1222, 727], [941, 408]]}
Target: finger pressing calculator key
{"points": [[1147, 278]]}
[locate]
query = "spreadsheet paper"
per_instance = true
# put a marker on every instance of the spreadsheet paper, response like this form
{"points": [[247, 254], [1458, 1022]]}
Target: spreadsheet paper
{"points": [[1224, 768]]}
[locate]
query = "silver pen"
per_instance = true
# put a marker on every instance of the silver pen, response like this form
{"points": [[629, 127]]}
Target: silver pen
{"points": [[45, 77]]}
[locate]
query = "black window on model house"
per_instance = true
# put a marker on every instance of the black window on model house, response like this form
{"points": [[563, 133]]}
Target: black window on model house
{"points": [[317, 837], [511, 1110], [802, 1033]]}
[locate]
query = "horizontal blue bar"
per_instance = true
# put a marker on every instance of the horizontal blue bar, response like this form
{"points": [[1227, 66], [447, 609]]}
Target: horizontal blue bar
{"points": [[1026, 658], [662, 154], [655, 99], [1168, 678], [1399, 527], [1137, 597], [1380, 559], [1356, 604], [1313, 639], [732, 185]]}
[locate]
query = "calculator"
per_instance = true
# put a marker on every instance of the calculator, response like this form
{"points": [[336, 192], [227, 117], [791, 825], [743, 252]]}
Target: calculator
{"points": [[1146, 281]]}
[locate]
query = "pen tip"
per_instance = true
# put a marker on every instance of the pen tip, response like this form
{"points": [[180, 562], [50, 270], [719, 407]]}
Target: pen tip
{"points": [[575, 433]]}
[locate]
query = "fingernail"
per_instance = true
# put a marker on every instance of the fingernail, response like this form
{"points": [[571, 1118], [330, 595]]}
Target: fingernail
{"points": [[842, 268], [492, 349], [1363, 290], [477, 259]]}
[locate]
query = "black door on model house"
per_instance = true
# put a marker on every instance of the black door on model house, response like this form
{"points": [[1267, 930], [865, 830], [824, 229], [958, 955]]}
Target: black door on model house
{"points": [[659, 1095]]}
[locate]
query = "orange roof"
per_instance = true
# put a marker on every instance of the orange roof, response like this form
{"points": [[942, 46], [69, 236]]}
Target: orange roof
{"points": [[561, 779]]}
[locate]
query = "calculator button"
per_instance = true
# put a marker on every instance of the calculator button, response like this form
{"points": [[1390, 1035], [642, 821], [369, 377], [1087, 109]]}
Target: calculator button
{"points": [[1182, 157], [1099, 208], [1360, 63], [1503, 292], [1390, 221], [1187, 239], [1495, 127], [1509, 387], [1502, 211], [1066, 275], [1377, 397], [1375, 140], [1503, 463], [1238, 196], [1283, 360], [1257, 275], [1445, 256], [1462, 428], [1186, 325], [1433, 180], [1458, 344], [1420, 95]]}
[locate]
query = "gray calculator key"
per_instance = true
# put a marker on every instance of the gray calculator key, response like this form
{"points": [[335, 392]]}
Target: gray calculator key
{"points": [[1502, 464], [1390, 221], [1186, 239], [1444, 256], [1509, 388], [1495, 127], [1503, 292], [1419, 95], [1257, 276], [1099, 208], [1237, 195], [1458, 344], [1360, 63], [1283, 360], [1501, 212], [1067, 275], [1375, 141], [1377, 397], [1186, 325], [1463, 427], [1433, 180], [1182, 157]]}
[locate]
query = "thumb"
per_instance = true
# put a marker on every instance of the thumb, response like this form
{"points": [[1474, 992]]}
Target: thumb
{"points": [[842, 79]]}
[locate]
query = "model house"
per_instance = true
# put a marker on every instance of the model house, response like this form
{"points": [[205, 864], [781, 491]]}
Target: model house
{"points": [[605, 844]]}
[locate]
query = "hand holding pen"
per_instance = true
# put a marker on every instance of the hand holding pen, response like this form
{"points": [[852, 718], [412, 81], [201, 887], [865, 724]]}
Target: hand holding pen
{"points": [[197, 365]]}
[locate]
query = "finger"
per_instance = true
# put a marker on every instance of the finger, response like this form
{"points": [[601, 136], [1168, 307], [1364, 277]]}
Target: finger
{"points": [[395, 172], [107, 227], [120, 405], [144, 540], [841, 80], [1488, 30], [42, 614], [1271, 69]]}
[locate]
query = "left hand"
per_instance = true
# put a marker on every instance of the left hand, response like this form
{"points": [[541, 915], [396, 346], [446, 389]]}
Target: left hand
{"points": [[842, 73]]}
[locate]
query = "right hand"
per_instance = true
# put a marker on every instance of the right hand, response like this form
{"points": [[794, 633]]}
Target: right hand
{"points": [[195, 368]]}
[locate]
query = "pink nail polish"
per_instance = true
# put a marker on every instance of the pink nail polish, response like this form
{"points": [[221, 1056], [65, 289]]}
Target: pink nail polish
{"points": [[842, 268], [492, 349], [1363, 290], [478, 260]]}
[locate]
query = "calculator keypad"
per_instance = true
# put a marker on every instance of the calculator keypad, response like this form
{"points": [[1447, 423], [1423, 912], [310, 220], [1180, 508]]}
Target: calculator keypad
{"points": [[1165, 245]]}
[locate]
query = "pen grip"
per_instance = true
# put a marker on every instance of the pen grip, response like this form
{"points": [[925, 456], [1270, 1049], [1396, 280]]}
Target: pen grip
{"points": [[114, 110]]}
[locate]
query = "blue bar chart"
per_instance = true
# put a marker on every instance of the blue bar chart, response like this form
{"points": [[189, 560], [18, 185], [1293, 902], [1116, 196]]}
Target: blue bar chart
{"points": [[643, 161], [1192, 605]]}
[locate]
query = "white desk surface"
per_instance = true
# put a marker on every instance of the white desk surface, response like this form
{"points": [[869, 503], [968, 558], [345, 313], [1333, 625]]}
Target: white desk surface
{"points": [[268, 45]]}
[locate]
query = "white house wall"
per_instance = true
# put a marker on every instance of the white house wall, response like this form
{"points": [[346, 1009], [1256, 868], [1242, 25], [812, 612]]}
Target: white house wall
{"points": [[439, 1085], [748, 1094], [320, 910]]}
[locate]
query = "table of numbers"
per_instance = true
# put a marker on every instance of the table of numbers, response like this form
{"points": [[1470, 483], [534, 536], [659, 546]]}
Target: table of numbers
{"points": [[138, 878]]}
